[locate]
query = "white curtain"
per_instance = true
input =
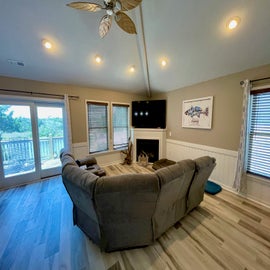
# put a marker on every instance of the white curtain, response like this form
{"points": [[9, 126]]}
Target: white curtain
{"points": [[68, 124], [240, 176]]}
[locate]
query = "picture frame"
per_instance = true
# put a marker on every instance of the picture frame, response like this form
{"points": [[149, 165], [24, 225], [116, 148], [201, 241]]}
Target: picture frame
{"points": [[197, 113]]}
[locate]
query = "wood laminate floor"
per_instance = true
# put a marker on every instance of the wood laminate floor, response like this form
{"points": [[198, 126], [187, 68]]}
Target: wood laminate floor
{"points": [[224, 232]]}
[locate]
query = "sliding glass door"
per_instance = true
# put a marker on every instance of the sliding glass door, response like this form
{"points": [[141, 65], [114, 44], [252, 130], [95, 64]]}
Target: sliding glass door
{"points": [[50, 138], [16, 135], [31, 137]]}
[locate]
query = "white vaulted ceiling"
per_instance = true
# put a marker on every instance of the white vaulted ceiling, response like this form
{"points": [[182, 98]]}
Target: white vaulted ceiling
{"points": [[191, 35]]}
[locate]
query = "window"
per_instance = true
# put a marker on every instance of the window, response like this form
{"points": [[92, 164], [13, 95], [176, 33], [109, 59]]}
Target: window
{"points": [[97, 126], [258, 156], [120, 126]]}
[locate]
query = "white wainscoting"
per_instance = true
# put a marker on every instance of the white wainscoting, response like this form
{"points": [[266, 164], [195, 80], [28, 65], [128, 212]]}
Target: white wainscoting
{"points": [[257, 189], [80, 150], [226, 160]]}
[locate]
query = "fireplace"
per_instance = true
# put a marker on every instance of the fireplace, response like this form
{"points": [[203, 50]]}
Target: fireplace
{"points": [[157, 135], [148, 147]]}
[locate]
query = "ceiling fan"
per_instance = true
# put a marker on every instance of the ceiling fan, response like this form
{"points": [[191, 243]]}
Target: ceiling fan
{"points": [[114, 8]]}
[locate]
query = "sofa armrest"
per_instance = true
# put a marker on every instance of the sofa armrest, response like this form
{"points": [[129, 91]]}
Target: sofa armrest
{"points": [[204, 167], [89, 161], [81, 178]]}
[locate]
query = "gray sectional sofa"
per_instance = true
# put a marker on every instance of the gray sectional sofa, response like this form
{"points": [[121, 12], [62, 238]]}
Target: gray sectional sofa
{"points": [[133, 210]]}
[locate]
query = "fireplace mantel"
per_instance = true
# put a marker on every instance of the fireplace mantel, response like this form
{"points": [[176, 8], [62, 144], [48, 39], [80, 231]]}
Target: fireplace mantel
{"points": [[149, 134]]}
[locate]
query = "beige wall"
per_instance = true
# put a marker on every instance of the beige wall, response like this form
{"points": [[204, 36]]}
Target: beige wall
{"points": [[227, 106], [77, 107], [226, 91]]}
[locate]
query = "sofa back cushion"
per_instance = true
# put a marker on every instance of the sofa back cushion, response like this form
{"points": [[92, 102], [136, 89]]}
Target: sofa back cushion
{"points": [[174, 183], [125, 206], [204, 168]]}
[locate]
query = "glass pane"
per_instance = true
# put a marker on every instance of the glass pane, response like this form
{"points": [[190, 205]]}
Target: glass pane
{"points": [[120, 126], [51, 135], [98, 140], [16, 140], [98, 129]]}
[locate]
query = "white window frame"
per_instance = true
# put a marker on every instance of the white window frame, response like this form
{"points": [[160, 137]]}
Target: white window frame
{"points": [[253, 175]]}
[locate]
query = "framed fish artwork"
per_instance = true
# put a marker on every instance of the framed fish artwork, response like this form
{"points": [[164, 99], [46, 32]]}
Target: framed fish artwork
{"points": [[197, 113]]}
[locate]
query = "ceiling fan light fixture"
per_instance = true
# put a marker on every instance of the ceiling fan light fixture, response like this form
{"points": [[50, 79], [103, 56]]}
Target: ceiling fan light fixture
{"points": [[109, 12], [114, 9]]}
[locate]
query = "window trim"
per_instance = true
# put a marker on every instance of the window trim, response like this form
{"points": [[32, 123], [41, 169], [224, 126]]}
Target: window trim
{"points": [[109, 123], [254, 91]]}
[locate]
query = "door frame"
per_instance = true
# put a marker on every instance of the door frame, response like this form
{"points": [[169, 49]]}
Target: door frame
{"points": [[38, 174]]}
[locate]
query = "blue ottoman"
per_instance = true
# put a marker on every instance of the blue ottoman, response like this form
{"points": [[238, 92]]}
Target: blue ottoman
{"points": [[212, 188]]}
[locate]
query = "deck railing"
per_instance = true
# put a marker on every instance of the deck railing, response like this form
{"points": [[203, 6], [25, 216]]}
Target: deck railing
{"points": [[23, 150]]}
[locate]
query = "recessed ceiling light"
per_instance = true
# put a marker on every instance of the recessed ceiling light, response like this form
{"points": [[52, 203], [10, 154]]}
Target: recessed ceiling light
{"points": [[132, 69], [46, 44], [233, 23], [163, 61], [98, 59]]}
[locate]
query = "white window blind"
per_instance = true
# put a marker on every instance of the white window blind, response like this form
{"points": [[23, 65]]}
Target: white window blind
{"points": [[97, 126], [258, 158], [120, 126]]}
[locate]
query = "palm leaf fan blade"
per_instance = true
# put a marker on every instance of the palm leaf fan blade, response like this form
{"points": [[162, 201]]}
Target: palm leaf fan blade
{"points": [[92, 7], [125, 23], [105, 25], [129, 4]]}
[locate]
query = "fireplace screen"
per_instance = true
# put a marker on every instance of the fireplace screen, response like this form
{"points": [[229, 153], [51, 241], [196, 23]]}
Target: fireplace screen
{"points": [[148, 147]]}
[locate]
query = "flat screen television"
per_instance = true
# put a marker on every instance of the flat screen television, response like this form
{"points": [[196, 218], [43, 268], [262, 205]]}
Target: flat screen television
{"points": [[149, 114]]}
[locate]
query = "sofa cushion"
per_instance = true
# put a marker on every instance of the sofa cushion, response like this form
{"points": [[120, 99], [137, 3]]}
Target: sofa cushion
{"points": [[174, 183], [125, 206], [204, 168]]}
